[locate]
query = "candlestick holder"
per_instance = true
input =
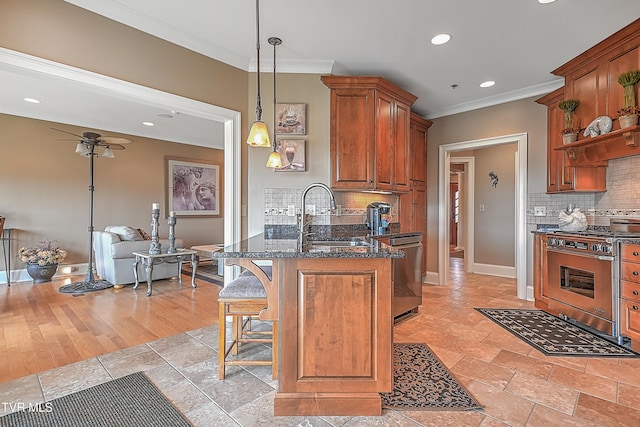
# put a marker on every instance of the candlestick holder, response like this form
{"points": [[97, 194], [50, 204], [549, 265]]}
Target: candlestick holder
{"points": [[172, 234], [155, 247]]}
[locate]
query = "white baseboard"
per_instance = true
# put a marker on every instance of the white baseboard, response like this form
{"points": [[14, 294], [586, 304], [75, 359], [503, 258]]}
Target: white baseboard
{"points": [[64, 270], [432, 278], [495, 270]]}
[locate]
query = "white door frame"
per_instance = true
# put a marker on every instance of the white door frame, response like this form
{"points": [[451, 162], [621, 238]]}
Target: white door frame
{"points": [[468, 217], [126, 90], [444, 161]]}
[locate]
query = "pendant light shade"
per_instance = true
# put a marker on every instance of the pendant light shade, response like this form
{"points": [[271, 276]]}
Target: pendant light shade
{"points": [[274, 160], [259, 134]]}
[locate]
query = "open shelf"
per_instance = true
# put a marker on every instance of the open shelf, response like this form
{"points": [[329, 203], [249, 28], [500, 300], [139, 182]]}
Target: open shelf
{"points": [[598, 150]]}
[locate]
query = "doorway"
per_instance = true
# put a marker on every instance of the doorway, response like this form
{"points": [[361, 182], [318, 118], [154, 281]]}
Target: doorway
{"points": [[76, 78], [444, 197]]}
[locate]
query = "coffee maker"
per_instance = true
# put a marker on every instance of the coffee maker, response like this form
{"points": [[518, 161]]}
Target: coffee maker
{"points": [[376, 224]]}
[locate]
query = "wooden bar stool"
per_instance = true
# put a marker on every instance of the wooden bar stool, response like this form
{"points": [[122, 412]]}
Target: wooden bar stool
{"points": [[243, 299]]}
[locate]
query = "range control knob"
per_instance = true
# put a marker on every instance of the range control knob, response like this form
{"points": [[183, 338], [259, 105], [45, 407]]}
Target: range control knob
{"points": [[607, 249], [596, 247], [551, 242]]}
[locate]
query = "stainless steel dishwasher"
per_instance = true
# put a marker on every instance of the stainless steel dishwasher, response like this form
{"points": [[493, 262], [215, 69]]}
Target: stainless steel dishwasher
{"points": [[407, 274]]}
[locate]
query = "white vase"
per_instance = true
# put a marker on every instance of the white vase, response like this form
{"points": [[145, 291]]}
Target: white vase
{"points": [[568, 138], [628, 120]]}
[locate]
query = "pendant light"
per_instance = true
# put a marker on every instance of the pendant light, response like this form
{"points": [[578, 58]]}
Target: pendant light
{"points": [[259, 134], [274, 160]]}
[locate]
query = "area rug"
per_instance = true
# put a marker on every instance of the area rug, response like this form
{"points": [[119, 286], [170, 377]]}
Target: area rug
{"points": [[128, 401], [421, 382], [554, 336], [86, 286], [207, 271]]}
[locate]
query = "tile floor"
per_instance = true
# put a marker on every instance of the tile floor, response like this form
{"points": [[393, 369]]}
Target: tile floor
{"points": [[517, 385]]}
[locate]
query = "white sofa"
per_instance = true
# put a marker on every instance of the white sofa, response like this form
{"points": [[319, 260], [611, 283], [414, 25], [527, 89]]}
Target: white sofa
{"points": [[114, 257]]}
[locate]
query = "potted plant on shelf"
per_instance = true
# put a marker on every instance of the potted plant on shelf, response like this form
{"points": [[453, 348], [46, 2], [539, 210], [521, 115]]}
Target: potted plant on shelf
{"points": [[628, 114], [42, 261], [569, 133]]}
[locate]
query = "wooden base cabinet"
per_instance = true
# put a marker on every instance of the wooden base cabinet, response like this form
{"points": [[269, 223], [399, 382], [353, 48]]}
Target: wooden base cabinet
{"points": [[336, 336], [630, 294]]}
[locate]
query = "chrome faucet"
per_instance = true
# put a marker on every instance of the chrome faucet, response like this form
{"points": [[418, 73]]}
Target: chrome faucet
{"points": [[304, 203]]}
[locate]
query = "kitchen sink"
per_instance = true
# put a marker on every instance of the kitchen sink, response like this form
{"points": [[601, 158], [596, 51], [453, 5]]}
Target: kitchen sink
{"points": [[335, 245]]}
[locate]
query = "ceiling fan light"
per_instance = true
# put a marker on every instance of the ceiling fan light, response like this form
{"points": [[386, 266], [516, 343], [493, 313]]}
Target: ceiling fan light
{"points": [[274, 160], [81, 149], [108, 153], [259, 135]]}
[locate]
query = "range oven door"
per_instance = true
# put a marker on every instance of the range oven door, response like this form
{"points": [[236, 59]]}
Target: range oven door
{"points": [[580, 287]]}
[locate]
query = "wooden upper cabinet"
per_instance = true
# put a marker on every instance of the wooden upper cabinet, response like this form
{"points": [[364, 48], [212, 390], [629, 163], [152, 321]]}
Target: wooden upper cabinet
{"points": [[561, 177], [592, 79], [418, 150], [369, 133]]}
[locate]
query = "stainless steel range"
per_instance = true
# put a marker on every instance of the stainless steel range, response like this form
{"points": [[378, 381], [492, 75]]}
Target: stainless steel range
{"points": [[581, 278]]}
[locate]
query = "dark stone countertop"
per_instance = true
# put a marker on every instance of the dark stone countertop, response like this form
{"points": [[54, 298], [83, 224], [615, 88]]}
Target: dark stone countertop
{"points": [[259, 247]]}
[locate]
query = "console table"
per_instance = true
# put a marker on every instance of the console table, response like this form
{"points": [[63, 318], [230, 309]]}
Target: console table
{"points": [[149, 260]]}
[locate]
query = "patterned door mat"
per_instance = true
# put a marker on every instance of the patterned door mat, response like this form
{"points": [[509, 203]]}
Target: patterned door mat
{"points": [[421, 382], [131, 400], [554, 336]]}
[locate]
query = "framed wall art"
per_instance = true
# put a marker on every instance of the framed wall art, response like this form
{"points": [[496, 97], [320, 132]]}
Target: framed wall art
{"points": [[292, 153], [193, 187], [292, 119]]}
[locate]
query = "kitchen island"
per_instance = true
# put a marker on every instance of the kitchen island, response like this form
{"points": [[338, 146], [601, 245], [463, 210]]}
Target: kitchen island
{"points": [[332, 300]]}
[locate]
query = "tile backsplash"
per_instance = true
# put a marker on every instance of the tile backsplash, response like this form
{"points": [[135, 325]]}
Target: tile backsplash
{"points": [[282, 205], [622, 198]]}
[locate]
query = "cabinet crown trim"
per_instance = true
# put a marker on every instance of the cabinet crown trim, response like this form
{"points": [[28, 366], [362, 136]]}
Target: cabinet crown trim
{"points": [[368, 82]]}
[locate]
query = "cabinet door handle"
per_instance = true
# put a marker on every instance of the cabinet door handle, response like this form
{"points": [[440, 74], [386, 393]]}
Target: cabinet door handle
{"points": [[635, 307], [635, 273], [635, 292], [635, 253]]}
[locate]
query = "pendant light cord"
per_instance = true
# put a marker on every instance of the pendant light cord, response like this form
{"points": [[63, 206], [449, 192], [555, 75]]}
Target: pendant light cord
{"points": [[259, 102]]}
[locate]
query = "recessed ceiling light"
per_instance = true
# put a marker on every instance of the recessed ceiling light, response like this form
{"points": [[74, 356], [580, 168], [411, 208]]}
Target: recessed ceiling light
{"points": [[440, 39], [32, 100], [148, 123], [488, 83], [546, 1]]}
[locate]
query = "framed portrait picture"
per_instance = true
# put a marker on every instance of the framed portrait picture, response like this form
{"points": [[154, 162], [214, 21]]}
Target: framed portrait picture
{"points": [[292, 153], [291, 119], [193, 187]]}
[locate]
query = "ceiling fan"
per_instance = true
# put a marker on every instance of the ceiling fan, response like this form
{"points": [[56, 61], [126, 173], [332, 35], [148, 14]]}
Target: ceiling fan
{"points": [[87, 146], [90, 140]]}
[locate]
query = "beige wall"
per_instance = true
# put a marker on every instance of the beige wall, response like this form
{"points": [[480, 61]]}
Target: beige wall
{"points": [[64, 33], [505, 119], [291, 88], [495, 227], [44, 187], [79, 38]]}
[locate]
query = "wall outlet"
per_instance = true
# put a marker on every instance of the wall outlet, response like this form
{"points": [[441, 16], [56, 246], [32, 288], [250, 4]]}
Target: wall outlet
{"points": [[540, 211], [338, 210], [481, 208], [310, 209], [291, 210]]}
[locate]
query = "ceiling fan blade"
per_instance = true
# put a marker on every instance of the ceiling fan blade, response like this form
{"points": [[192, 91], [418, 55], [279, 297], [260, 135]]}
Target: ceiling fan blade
{"points": [[64, 131], [109, 140], [113, 146]]}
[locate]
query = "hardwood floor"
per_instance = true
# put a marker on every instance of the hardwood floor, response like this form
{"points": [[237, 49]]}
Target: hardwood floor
{"points": [[517, 385], [42, 328]]}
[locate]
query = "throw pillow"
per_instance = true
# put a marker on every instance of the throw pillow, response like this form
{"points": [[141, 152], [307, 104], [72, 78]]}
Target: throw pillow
{"points": [[125, 233], [144, 234]]}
